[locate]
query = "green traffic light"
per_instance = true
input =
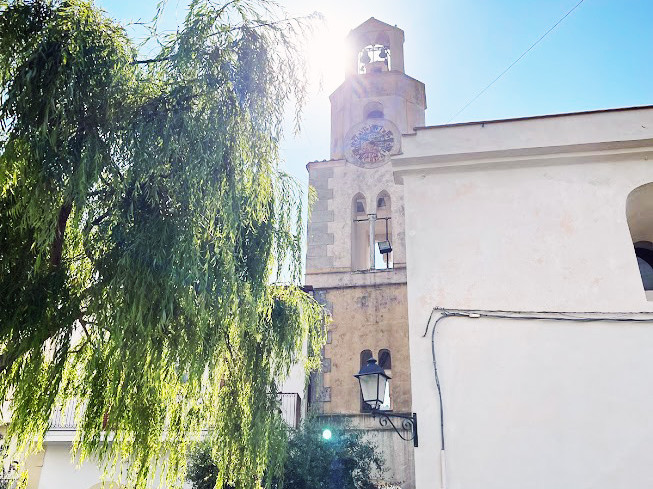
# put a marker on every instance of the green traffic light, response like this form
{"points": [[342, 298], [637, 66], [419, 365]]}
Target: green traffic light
{"points": [[326, 434]]}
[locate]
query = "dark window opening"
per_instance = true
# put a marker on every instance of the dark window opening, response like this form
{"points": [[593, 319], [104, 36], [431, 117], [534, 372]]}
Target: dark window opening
{"points": [[365, 356], [385, 360], [644, 254]]}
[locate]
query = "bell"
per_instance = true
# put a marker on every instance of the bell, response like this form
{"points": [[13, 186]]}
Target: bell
{"points": [[365, 57], [384, 53]]}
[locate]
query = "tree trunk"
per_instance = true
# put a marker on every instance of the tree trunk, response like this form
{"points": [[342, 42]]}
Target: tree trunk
{"points": [[57, 244]]}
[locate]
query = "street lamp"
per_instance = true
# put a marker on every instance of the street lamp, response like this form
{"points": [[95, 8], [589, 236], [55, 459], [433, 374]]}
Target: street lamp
{"points": [[373, 382]]}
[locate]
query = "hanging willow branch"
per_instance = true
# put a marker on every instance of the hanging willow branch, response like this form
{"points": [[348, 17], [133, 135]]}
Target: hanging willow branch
{"points": [[142, 218]]}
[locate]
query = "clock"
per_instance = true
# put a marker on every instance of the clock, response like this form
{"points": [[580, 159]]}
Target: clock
{"points": [[369, 144]]}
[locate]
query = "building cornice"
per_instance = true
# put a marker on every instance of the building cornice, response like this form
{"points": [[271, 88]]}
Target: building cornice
{"points": [[338, 279], [616, 134], [535, 117], [558, 155]]}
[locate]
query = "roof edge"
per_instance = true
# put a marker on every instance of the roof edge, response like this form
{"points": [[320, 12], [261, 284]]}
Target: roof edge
{"points": [[531, 117]]}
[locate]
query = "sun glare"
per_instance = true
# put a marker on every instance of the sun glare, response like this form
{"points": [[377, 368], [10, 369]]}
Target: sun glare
{"points": [[326, 55]]}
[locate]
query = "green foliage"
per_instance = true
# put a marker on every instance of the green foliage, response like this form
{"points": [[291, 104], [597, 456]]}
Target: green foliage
{"points": [[202, 469], [346, 461], [143, 217]]}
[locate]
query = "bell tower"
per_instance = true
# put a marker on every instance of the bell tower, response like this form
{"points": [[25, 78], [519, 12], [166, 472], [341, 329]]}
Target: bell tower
{"points": [[356, 252], [375, 87]]}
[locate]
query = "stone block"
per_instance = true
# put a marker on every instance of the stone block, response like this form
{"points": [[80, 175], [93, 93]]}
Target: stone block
{"points": [[321, 205], [326, 365], [319, 177], [316, 250], [320, 296], [322, 216], [324, 193], [324, 395], [317, 263], [318, 228], [320, 239]]}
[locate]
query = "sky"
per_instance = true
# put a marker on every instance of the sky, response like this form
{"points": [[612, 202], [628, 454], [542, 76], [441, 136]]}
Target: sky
{"points": [[600, 56]]}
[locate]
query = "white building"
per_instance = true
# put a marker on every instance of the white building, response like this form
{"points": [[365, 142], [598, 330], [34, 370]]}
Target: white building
{"points": [[529, 242], [54, 468], [549, 218]]}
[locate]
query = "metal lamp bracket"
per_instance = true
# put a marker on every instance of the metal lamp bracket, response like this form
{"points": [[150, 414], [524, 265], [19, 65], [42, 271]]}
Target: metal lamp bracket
{"points": [[408, 423]]}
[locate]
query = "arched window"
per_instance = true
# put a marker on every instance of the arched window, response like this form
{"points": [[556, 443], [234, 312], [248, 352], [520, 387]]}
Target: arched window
{"points": [[383, 232], [385, 362], [360, 232], [639, 212], [371, 233], [375, 57], [365, 356], [373, 110]]}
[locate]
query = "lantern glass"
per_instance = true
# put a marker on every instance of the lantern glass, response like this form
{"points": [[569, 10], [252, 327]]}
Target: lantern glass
{"points": [[373, 383]]}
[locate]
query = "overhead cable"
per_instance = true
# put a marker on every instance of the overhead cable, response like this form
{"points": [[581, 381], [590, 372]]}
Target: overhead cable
{"points": [[583, 317], [514, 62]]}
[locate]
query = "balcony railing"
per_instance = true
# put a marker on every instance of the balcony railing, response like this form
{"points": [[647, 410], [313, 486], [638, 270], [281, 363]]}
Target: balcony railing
{"points": [[291, 412], [291, 408], [64, 419]]}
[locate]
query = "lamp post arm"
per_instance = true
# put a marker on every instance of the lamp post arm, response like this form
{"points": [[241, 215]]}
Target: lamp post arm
{"points": [[408, 423]]}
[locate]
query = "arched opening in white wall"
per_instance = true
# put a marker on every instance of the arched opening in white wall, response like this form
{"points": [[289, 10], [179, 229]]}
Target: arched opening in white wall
{"points": [[360, 241], [639, 212], [383, 232]]}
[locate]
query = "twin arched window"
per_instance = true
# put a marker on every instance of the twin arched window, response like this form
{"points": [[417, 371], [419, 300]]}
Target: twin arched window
{"points": [[384, 360], [371, 234]]}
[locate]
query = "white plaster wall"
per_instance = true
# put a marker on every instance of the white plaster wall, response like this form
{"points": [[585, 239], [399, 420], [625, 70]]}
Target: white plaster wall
{"points": [[530, 404], [60, 471], [295, 382], [543, 237], [536, 405]]}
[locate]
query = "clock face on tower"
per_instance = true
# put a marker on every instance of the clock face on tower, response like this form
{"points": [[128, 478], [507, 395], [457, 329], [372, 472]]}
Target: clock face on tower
{"points": [[370, 143]]}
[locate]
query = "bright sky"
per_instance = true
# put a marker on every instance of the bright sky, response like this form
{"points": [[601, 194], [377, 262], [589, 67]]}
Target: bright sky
{"points": [[601, 56]]}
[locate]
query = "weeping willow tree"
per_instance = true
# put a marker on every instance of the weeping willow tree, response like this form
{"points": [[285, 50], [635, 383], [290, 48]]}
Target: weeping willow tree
{"points": [[143, 219]]}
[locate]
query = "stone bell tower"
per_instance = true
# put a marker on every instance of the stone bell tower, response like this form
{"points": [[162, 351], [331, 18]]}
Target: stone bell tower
{"points": [[356, 258], [375, 85]]}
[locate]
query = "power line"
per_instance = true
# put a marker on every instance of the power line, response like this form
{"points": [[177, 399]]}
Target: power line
{"points": [[581, 317], [515, 62]]}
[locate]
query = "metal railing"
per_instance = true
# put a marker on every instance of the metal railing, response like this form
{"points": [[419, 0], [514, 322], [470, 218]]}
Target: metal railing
{"points": [[290, 403], [64, 418], [291, 408]]}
